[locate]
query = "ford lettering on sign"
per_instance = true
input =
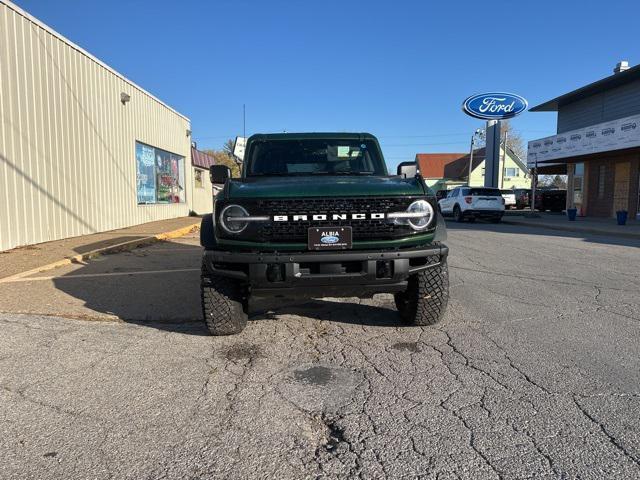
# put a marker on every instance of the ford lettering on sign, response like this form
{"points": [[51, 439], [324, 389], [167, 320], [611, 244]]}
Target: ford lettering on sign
{"points": [[494, 106]]}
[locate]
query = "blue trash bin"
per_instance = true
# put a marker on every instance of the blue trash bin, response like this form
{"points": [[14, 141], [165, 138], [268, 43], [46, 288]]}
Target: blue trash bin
{"points": [[571, 213], [621, 216]]}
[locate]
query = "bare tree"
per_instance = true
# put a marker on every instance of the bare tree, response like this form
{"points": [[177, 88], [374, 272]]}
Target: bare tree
{"points": [[514, 139], [227, 147]]}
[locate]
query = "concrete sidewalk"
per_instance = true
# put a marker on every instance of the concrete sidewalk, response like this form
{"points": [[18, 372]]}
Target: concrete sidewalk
{"points": [[47, 255], [600, 226]]}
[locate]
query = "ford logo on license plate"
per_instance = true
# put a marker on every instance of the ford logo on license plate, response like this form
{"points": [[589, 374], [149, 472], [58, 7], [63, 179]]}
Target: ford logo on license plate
{"points": [[329, 239]]}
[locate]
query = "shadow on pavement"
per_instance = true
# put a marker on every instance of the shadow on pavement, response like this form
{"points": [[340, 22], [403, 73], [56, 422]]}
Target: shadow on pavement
{"points": [[331, 310], [163, 292]]}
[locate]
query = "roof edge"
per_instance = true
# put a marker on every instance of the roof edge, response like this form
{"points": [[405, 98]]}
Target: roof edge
{"points": [[81, 50], [617, 79]]}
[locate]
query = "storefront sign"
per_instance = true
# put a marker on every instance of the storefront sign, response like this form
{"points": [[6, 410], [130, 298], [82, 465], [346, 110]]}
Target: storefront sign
{"points": [[238, 147], [613, 135], [494, 105]]}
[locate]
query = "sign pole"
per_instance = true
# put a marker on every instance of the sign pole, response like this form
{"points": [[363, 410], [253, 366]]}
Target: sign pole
{"points": [[492, 154], [534, 184]]}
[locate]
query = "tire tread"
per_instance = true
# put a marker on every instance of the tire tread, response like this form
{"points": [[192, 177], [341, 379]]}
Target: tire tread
{"points": [[426, 298], [222, 304]]}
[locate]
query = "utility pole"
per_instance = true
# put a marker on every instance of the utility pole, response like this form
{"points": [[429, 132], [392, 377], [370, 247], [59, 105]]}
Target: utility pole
{"points": [[504, 160], [473, 137]]}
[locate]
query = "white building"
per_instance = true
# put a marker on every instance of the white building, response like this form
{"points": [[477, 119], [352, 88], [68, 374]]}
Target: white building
{"points": [[82, 148]]}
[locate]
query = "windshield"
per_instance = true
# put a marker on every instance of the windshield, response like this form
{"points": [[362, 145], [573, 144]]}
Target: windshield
{"points": [[488, 192], [315, 157]]}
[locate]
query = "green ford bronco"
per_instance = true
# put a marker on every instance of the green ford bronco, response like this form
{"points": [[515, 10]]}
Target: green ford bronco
{"points": [[318, 215]]}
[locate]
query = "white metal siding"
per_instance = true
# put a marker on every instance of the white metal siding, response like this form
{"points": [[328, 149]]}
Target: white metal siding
{"points": [[619, 102], [67, 143], [202, 197]]}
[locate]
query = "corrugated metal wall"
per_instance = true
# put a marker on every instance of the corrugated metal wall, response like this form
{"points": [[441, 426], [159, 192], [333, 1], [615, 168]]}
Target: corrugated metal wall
{"points": [[67, 143], [202, 196], [620, 102]]}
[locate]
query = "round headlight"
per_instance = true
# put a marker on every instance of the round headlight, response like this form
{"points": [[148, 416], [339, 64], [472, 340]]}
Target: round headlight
{"points": [[420, 222], [231, 219]]}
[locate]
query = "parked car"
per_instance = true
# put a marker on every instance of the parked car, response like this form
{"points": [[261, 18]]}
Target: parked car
{"points": [[472, 203], [551, 199], [509, 198], [440, 194], [523, 196]]}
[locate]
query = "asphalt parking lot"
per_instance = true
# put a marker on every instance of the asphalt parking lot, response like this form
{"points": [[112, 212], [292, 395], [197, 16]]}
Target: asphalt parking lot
{"points": [[107, 372]]}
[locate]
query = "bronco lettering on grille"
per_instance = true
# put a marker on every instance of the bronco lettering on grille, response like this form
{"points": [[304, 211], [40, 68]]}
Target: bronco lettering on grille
{"points": [[335, 216]]}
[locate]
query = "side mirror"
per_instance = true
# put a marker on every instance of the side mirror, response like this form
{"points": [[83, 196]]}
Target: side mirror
{"points": [[219, 173], [407, 169]]}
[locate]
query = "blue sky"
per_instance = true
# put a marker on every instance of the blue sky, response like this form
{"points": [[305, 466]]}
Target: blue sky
{"points": [[397, 69]]}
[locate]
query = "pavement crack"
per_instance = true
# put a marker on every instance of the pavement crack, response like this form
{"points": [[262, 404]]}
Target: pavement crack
{"points": [[613, 440]]}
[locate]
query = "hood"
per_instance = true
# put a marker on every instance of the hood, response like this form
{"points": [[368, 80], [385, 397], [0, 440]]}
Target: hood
{"points": [[323, 186]]}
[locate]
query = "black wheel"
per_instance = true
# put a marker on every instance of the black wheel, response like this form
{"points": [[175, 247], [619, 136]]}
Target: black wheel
{"points": [[457, 214], [206, 231], [425, 299], [223, 303]]}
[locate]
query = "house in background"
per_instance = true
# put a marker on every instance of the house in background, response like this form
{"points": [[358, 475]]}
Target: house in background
{"points": [[444, 171], [203, 189]]}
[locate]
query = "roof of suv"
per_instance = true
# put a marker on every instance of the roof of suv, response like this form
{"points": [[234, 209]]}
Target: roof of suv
{"points": [[312, 136]]}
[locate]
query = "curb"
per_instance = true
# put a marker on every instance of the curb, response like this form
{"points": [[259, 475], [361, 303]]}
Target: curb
{"points": [[117, 248], [594, 231]]}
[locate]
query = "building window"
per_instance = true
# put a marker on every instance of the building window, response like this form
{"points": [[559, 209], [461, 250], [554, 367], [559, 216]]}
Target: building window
{"points": [[601, 172], [510, 172], [197, 177], [160, 175]]}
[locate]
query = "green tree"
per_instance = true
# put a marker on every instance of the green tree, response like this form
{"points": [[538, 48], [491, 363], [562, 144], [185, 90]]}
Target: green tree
{"points": [[225, 157]]}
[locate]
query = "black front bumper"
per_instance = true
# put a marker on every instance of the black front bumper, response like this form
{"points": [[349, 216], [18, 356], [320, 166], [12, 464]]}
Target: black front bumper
{"points": [[340, 274]]}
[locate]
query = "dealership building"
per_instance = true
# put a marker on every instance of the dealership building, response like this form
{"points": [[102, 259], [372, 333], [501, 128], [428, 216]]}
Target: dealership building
{"points": [[82, 148], [597, 144]]}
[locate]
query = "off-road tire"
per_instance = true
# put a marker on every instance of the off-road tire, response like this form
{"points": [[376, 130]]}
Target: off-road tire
{"points": [[425, 299], [206, 232], [223, 303], [457, 214]]}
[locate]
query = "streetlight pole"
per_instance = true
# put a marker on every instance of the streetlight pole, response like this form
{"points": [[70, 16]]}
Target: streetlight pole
{"points": [[477, 133]]}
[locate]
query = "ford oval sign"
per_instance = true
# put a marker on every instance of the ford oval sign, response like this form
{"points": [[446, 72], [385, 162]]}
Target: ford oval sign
{"points": [[494, 105]]}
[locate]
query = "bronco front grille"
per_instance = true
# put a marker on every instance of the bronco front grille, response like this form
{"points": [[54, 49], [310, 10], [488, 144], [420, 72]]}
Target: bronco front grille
{"points": [[296, 231]]}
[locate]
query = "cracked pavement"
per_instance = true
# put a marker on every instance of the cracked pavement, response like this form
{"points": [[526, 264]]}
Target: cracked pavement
{"points": [[534, 373]]}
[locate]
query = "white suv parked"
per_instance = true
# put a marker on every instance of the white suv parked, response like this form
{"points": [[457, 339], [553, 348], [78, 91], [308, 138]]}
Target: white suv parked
{"points": [[509, 198], [472, 203]]}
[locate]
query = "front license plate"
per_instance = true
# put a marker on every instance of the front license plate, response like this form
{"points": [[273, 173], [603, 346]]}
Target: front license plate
{"points": [[329, 238]]}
